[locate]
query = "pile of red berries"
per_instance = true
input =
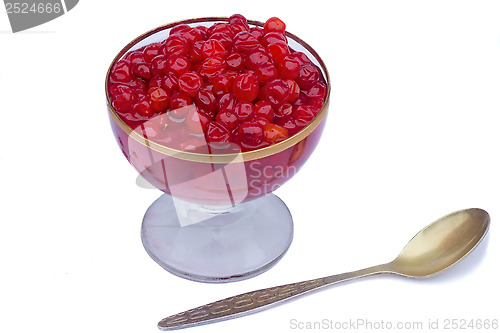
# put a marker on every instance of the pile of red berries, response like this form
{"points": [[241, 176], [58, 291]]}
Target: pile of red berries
{"points": [[225, 83]]}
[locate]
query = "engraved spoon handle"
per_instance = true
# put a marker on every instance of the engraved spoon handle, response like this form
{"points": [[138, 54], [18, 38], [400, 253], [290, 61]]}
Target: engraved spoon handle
{"points": [[258, 300]]}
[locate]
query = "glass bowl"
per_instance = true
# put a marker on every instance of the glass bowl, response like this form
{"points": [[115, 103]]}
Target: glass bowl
{"points": [[217, 220]]}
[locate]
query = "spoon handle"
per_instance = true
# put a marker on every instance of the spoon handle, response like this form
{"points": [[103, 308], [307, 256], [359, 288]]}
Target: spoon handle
{"points": [[258, 300]]}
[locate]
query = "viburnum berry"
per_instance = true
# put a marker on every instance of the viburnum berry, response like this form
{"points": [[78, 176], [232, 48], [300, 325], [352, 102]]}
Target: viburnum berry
{"points": [[276, 92], [266, 72], [271, 38], [224, 39], [212, 67], [234, 61], [190, 83], [250, 133], [151, 51], [169, 83], [246, 87], [124, 98], [278, 51], [121, 72], [175, 44], [264, 109], [160, 65], [213, 48], [222, 84], [142, 70], [196, 122], [135, 57], [206, 100], [303, 115], [228, 118], [309, 74], [244, 111], [294, 90], [274, 133], [159, 100], [274, 24], [317, 90], [227, 102], [143, 108], [178, 64], [245, 42], [178, 103], [257, 58], [220, 27], [288, 68], [217, 132]]}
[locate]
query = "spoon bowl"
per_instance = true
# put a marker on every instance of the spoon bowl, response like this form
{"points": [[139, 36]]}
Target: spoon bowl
{"points": [[442, 244], [434, 249]]}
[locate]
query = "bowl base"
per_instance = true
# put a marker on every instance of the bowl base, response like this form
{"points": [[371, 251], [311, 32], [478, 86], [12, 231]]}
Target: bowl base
{"points": [[217, 245]]}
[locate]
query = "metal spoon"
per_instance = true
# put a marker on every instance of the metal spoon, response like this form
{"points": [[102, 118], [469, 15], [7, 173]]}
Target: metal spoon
{"points": [[434, 249]]}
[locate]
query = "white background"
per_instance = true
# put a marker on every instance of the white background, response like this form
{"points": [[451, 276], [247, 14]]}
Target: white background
{"points": [[412, 134]]}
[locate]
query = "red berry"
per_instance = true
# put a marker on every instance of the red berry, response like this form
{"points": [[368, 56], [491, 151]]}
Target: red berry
{"points": [[294, 90], [272, 38], [178, 64], [143, 108], [274, 133], [196, 122], [195, 52], [289, 68], [151, 51], [212, 67], [244, 111], [228, 118], [318, 90], [159, 100], [256, 58], [213, 48], [178, 103], [276, 92], [206, 100], [245, 42], [175, 44], [265, 110], [179, 29], [224, 39], [309, 74], [190, 82], [278, 51], [300, 57], [121, 72], [238, 19], [142, 70], [227, 102], [124, 98], [257, 32], [220, 27], [222, 84], [170, 83], [217, 132], [135, 57], [246, 87], [266, 72], [284, 111], [250, 133], [303, 115], [159, 65], [274, 24], [193, 35]]}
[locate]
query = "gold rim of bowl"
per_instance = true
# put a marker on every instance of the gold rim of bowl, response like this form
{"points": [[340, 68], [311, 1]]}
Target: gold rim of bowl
{"points": [[220, 158]]}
